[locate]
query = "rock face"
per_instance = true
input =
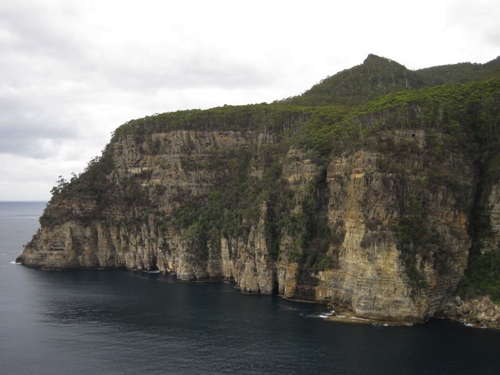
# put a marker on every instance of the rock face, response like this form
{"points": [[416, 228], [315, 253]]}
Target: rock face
{"points": [[492, 211], [362, 202], [478, 312]]}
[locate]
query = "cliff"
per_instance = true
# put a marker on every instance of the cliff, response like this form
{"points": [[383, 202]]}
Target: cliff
{"points": [[386, 204]]}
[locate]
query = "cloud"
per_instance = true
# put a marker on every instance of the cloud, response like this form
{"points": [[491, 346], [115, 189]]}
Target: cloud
{"points": [[25, 178], [182, 72], [25, 124], [72, 71], [476, 23], [37, 29], [493, 38], [63, 63]]}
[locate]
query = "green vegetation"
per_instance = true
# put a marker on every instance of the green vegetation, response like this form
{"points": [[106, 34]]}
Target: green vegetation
{"points": [[239, 201], [483, 276], [419, 242], [379, 76], [315, 237], [458, 73], [92, 189], [265, 118], [376, 76]]}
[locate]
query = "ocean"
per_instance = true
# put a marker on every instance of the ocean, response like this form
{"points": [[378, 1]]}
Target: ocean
{"points": [[122, 322]]}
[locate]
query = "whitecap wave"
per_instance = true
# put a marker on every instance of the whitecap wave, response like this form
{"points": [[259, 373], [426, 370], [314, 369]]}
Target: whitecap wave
{"points": [[322, 315]]}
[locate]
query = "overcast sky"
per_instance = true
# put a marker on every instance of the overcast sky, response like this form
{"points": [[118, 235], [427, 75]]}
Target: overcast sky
{"points": [[73, 71]]}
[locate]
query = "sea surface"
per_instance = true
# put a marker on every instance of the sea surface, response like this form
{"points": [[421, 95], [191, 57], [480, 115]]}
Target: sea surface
{"points": [[122, 322]]}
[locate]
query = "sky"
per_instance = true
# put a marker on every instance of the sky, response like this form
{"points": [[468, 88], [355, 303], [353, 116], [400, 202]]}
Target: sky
{"points": [[73, 71]]}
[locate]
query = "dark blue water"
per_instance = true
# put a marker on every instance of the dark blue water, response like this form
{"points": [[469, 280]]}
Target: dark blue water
{"points": [[119, 322]]}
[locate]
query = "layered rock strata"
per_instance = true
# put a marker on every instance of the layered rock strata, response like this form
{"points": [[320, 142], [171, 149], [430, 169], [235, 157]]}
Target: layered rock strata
{"points": [[362, 199]]}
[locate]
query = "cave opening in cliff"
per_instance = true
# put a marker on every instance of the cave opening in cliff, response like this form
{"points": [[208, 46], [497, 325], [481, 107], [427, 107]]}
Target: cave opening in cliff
{"points": [[276, 285], [154, 264]]}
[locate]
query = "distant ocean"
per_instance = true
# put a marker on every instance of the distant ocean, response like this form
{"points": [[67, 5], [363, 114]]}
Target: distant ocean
{"points": [[121, 322]]}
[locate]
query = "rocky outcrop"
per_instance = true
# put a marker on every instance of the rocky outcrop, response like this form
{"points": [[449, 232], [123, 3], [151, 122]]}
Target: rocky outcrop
{"points": [[491, 210], [477, 312]]}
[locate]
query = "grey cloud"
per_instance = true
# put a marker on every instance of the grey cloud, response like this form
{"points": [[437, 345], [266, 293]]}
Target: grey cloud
{"points": [[26, 123], [20, 138], [53, 74], [192, 66], [30, 147], [32, 31], [184, 72], [40, 54], [479, 16], [493, 37]]}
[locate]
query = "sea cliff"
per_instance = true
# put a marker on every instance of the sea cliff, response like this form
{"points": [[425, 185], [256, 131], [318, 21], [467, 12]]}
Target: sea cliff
{"points": [[378, 194]]}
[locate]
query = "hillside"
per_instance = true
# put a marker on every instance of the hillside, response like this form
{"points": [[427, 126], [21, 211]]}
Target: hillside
{"points": [[379, 76], [376, 191], [376, 76], [458, 73]]}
